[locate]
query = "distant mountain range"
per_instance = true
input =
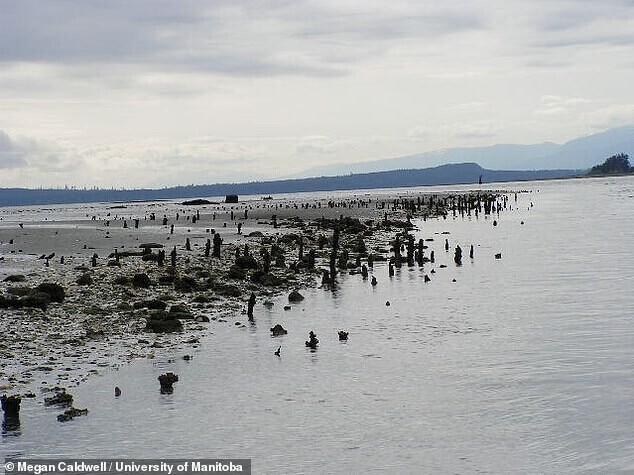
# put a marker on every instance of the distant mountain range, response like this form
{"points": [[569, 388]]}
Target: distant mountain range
{"points": [[450, 174], [580, 153]]}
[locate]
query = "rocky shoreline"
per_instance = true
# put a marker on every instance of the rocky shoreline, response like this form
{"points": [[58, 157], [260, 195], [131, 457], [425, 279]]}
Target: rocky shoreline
{"points": [[145, 280]]}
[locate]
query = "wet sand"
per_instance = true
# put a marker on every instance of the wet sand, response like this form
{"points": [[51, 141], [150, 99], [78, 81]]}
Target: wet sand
{"points": [[102, 320]]}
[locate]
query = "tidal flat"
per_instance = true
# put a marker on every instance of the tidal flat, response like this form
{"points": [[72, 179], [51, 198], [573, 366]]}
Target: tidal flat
{"points": [[516, 364]]}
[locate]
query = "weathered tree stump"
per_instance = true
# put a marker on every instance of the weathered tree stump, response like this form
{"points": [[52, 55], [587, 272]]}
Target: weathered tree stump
{"points": [[167, 381]]}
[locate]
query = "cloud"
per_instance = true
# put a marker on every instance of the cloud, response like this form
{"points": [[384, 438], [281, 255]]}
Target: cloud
{"points": [[610, 116], [318, 145], [231, 38], [11, 155], [27, 156], [552, 105], [584, 23], [476, 130]]}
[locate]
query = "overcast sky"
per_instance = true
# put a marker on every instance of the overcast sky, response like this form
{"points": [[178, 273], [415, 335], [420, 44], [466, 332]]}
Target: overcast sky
{"points": [[153, 93]]}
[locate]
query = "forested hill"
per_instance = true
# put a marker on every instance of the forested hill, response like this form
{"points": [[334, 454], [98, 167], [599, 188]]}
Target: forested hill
{"points": [[452, 174]]}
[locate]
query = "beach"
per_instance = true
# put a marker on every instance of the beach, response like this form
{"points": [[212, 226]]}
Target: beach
{"points": [[94, 253]]}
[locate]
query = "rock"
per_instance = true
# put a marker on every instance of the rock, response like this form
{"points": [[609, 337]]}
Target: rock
{"points": [[150, 245], [85, 279], [71, 413], [122, 280], [202, 319], [141, 280], [312, 340], [153, 304], [256, 234], [15, 278], [228, 290], [61, 398], [167, 381], [34, 299], [117, 391], [295, 297], [186, 283], [55, 291], [246, 262], [268, 280], [197, 202], [163, 322], [278, 330], [236, 272], [498, 255], [343, 336], [181, 312]]}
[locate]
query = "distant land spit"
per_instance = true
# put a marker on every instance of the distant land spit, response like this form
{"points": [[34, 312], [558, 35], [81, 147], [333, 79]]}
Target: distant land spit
{"points": [[451, 174]]}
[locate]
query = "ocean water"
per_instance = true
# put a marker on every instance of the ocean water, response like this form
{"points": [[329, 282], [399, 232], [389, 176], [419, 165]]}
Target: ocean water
{"points": [[523, 364]]}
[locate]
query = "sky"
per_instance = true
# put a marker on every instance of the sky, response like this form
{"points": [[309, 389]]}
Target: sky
{"points": [[152, 93]]}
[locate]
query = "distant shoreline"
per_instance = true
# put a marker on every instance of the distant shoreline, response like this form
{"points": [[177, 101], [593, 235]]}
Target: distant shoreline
{"points": [[444, 175]]}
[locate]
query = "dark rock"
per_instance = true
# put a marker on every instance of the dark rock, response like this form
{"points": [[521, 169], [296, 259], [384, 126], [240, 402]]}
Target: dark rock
{"points": [[228, 290], [61, 398], [197, 202], [237, 273], [312, 340], [278, 330], [141, 280], [295, 297], [246, 262], [71, 413], [181, 312], [343, 336], [202, 319], [268, 280], [160, 321], [122, 280], [150, 257], [167, 381], [55, 291], [34, 299], [117, 391], [186, 283], [15, 278], [20, 291], [153, 304], [85, 279], [150, 245], [166, 279], [498, 255]]}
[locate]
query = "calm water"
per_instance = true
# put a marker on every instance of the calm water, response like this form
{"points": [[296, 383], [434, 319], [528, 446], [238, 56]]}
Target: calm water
{"points": [[523, 365]]}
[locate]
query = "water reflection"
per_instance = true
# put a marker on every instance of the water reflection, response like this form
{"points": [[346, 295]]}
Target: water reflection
{"points": [[11, 426], [520, 366]]}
